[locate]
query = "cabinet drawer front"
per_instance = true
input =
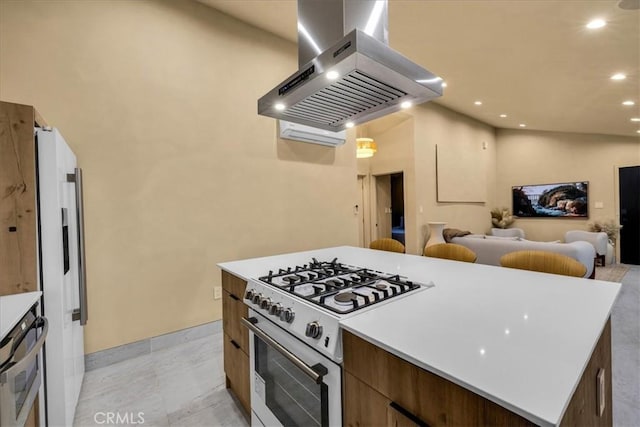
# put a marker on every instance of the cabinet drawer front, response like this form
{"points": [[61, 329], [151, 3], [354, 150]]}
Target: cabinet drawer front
{"points": [[233, 310], [363, 406], [236, 368], [234, 285]]}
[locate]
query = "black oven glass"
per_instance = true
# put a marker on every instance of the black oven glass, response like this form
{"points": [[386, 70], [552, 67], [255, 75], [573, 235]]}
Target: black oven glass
{"points": [[293, 397]]}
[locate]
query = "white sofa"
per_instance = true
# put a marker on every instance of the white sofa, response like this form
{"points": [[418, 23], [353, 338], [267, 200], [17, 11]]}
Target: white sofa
{"points": [[489, 249], [508, 232], [599, 240]]}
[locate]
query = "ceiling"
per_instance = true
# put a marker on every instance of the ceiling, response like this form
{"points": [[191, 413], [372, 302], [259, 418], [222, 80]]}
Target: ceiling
{"points": [[533, 60]]}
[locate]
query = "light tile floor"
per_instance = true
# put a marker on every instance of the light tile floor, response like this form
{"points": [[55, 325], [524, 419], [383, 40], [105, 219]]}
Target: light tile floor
{"points": [[184, 385], [625, 351], [176, 386]]}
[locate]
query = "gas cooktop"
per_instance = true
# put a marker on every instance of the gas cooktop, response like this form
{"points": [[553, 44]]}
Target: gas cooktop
{"points": [[338, 287], [309, 300]]}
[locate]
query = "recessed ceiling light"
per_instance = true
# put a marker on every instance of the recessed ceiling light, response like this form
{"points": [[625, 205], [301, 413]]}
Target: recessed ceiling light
{"points": [[478, 102], [635, 119], [332, 75], [628, 103], [279, 106], [618, 76], [596, 23], [503, 115], [522, 125], [444, 84], [349, 125], [638, 131], [406, 104]]}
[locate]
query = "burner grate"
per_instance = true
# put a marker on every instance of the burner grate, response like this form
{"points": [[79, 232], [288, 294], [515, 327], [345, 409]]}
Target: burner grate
{"points": [[320, 282]]}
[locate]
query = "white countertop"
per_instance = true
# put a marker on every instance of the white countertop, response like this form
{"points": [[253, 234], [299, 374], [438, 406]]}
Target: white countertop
{"points": [[13, 307], [521, 339]]}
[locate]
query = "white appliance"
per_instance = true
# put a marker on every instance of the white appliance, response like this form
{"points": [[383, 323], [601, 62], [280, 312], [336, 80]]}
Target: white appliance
{"points": [[298, 132], [62, 273], [295, 341], [347, 73]]}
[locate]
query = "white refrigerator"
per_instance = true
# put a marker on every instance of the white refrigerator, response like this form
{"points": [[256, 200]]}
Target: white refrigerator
{"points": [[62, 274]]}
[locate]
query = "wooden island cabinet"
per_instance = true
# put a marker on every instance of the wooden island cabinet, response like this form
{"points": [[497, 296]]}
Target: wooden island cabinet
{"points": [[381, 389], [236, 339]]}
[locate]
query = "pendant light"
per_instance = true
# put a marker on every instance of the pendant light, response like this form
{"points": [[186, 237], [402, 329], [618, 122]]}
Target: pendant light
{"points": [[366, 147]]}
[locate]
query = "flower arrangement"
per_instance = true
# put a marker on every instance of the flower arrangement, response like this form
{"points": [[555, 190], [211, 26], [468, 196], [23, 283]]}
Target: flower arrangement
{"points": [[609, 226], [501, 217]]}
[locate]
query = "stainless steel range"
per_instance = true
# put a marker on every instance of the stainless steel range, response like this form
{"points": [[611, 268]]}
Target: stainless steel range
{"points": [[297, 384]]}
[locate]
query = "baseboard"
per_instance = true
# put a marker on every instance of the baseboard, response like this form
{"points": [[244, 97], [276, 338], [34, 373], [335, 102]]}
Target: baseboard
{"points": [[107, 357]]}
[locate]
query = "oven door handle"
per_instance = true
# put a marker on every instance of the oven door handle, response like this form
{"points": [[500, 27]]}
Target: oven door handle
{"points": [[315, 372], [23, 363]]}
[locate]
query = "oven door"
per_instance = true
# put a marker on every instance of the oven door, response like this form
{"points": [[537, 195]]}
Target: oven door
{"points": [[291, 383], [21, 373]]}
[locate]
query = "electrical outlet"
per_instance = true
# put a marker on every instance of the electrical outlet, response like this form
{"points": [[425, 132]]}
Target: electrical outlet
{"points": [[217, 292]]}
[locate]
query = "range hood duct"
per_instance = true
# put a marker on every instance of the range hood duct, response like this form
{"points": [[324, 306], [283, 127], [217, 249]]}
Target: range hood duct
{"points": [[347, 38]]}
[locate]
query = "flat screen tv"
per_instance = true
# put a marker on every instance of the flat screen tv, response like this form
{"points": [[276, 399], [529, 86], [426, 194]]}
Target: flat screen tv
{"points": [[564, 200]]}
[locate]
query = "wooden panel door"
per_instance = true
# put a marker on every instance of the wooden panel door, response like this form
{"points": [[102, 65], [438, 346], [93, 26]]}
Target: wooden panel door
{"points": [[18, 257]]}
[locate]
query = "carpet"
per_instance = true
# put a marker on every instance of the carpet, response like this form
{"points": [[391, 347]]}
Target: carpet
{"points": [[611, 273]]}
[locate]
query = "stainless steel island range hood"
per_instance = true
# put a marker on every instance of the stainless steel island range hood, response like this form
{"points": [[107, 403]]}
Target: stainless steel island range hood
{"points": [[345, 80]]}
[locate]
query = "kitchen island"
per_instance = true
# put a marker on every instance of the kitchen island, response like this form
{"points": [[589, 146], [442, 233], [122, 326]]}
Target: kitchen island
{"points": [[520, 340]]}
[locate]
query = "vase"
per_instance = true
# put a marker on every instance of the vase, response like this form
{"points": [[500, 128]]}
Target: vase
{"points": [[435, 233]]}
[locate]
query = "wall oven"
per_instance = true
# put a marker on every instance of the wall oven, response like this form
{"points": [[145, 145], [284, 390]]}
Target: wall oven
{"points": [[295, 341], [20, 368], [291, 383]]}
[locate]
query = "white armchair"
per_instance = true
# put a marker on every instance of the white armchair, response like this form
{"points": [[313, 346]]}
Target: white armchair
{"points": [[598, 240]]}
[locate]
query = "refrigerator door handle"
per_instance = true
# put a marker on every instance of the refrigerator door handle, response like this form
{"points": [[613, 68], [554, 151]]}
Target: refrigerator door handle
{"points": [[82, 312]]}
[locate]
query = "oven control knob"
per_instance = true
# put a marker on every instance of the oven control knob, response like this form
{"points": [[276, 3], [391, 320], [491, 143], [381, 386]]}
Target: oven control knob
{"points": [[314, 330], [256, 298], [275, 309], [249, 294], [265, 303], [287, 315]]}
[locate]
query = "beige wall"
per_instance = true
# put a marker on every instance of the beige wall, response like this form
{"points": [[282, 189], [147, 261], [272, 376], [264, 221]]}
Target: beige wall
{"points": [[158, 100], [436, 125], [407, 143], [531, 157]]}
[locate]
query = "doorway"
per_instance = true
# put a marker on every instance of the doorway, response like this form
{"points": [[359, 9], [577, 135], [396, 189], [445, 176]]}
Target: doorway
{"points": [[629, 179], [389, 192]]}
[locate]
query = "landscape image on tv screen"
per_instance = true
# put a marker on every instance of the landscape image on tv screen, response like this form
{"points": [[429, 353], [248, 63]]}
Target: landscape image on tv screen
{"points": [[551, 200]]}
